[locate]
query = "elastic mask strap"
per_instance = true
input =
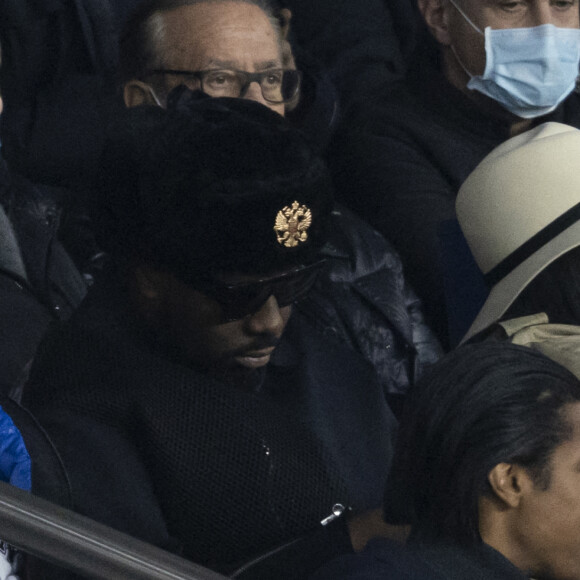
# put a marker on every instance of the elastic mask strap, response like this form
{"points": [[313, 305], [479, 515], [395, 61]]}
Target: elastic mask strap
{"points": [[155, 97], [468, 20], [461, 64]]}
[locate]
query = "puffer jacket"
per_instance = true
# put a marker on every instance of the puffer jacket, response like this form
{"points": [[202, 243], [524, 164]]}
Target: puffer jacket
{"points": [[38, 281], [363, 300]]}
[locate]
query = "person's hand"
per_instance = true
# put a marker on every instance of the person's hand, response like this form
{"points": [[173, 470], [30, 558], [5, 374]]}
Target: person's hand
{"points": [[371, 524]]}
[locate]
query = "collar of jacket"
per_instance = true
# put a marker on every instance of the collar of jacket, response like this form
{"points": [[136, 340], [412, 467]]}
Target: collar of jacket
{"points": [[10, 257], [33, 212]]}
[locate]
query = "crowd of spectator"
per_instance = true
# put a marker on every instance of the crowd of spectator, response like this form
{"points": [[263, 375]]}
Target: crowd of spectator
{"points": [[290, 288]]}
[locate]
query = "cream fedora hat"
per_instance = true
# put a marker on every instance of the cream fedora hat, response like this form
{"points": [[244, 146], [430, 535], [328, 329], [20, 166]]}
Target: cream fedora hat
{"points": [[519, 211]]}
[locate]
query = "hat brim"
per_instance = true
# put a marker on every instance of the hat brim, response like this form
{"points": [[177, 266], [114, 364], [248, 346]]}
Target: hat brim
{"points": [[505, 292]]}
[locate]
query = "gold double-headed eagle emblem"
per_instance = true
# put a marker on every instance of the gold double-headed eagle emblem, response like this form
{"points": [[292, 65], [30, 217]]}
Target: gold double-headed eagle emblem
{"points": [[292, 223]]}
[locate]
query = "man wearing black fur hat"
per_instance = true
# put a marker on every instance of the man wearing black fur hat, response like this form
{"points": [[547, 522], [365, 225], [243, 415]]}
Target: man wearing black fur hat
{"points": [[237, 48], [191, 409]]}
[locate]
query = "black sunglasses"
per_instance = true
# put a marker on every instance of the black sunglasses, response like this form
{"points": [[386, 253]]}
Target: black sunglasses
{"points": [[239, 300]]}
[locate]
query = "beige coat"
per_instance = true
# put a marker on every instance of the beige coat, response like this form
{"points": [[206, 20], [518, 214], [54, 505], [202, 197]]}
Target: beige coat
{"points": [[560, 342]]}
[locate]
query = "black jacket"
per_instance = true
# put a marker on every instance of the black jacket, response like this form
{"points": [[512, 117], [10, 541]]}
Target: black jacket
{"points": [[158, 450], [38, 281]]}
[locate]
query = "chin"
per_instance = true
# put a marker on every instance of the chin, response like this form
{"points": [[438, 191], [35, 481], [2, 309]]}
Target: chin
{"points": [[241, 377]]}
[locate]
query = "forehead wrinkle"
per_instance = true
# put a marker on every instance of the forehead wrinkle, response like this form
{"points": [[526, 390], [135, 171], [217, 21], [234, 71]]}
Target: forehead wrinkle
{"points": [[230, 64], [268, 64], [170, 46]]}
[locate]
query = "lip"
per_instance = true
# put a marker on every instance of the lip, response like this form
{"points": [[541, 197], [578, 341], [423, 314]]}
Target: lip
{"points": [[255, 359]]}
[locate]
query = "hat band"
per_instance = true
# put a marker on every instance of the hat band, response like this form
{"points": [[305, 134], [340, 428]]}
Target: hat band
{"points": [[532, 245]]}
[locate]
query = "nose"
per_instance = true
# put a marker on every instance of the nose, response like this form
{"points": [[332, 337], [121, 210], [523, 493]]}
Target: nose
{"points": [[270, 319], [541, 13], [254, 93]]}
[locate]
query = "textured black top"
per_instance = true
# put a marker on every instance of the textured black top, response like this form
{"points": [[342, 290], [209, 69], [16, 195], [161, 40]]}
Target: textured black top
{"points": [[160, 451]]}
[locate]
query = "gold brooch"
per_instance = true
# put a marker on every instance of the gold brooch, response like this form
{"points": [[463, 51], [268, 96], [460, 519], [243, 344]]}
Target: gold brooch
{"points": [[292, 224]]}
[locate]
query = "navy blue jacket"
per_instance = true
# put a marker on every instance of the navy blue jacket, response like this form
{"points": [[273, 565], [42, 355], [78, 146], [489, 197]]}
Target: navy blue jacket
{"points": [[386, 560]]}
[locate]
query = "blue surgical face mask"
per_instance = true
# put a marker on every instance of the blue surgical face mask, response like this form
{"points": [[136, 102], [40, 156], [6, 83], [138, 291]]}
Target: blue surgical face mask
{"points": [[529, 71]]}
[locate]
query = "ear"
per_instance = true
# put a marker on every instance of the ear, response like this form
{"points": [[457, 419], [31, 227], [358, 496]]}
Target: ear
{"points": [[151, 284], [436, 16], [137, 93], [509, 483]]}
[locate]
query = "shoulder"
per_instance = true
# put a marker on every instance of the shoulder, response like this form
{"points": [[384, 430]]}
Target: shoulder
{"points": [[362, 248], [394, 107]]}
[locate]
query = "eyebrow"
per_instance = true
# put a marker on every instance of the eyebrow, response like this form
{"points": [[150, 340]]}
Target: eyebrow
{"points": [[230, 64]]}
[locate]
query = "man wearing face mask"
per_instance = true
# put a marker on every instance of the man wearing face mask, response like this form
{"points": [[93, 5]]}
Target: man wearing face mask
{"points": [[500, 69]]}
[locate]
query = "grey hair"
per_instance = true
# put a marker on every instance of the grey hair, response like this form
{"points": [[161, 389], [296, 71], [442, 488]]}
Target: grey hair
{"points": [[142, 39]]}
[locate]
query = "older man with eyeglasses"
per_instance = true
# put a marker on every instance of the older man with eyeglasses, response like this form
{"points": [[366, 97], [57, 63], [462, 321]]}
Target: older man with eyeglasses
{"points": [[225, 49]]}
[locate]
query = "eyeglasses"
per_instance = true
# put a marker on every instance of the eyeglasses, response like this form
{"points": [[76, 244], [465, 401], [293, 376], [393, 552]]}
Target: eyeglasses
{"points": [[239, 300], [277, 85]]}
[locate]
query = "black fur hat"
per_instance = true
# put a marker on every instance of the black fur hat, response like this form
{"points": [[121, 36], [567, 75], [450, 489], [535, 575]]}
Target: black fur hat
{"points": [[211, 184]]}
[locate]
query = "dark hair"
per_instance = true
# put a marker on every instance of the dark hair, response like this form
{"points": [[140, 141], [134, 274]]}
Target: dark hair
{"points": [[199, 186], [139, 44], [555, 291], [481, 405]]}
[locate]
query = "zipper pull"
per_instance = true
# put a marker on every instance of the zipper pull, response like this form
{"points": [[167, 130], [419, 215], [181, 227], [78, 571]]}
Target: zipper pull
{"points": [[337, 510]]}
